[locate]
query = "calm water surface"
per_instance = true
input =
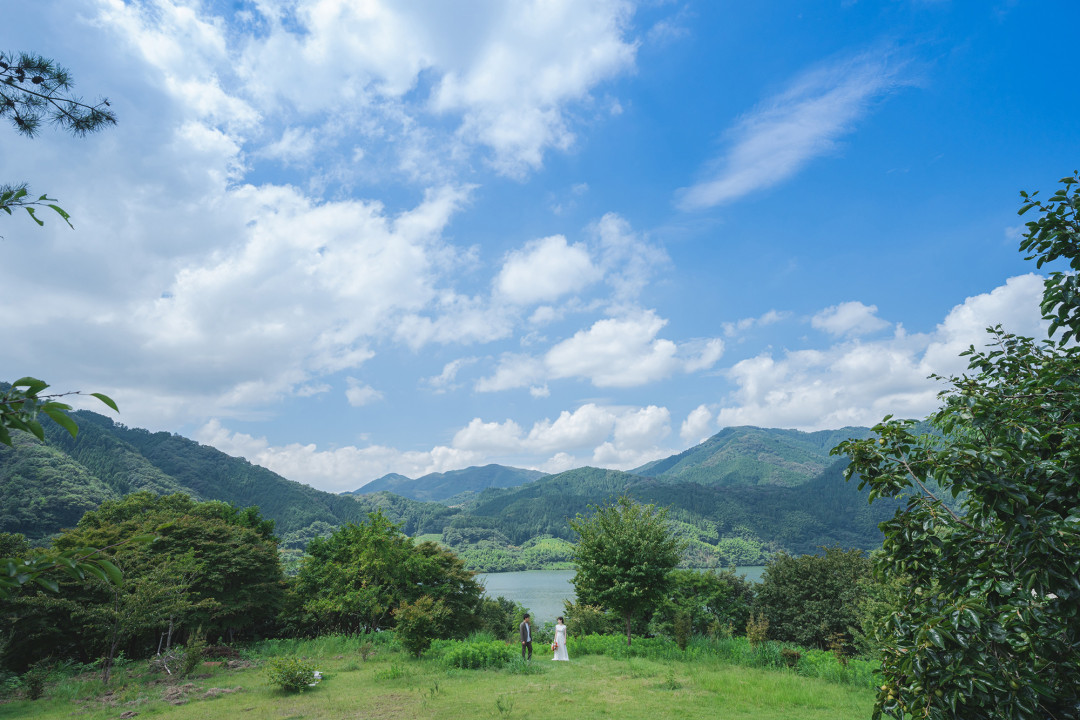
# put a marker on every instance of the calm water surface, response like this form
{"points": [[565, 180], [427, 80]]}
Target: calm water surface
{"points": [[545, 591]]}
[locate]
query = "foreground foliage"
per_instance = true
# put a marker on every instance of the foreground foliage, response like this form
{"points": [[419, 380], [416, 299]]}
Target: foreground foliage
{"points": [[991, 625]]}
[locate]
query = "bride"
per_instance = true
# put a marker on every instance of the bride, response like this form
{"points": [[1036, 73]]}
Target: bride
{"points": [[559, 645]]}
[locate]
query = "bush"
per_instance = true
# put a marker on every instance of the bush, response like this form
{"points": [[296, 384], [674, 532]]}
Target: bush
{"points": [[473, 655], [809, 598], [417, 621], [291, 674], [33, 680], [193, 653]]}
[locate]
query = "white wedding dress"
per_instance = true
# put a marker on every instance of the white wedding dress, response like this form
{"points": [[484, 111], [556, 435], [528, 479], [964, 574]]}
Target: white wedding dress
{"points": [[560, 638]]}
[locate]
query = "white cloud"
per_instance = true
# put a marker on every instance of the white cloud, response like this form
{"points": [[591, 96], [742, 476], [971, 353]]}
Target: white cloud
{"points": [[783, 134], [627, 259], [697, 425], [446, 379], [769, 318], [858, 383], [850, 318], [530, 61], [338, 470], [359, 394], [545, 270], [613, 352]]}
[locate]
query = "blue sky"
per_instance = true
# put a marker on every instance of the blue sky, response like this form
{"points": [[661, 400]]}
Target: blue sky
{"points": [[345, 238]]}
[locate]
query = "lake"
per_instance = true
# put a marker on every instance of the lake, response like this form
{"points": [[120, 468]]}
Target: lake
{"points": [[545, 591]]}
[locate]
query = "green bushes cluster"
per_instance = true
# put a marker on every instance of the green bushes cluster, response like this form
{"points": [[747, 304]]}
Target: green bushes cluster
{"points": [[473, 654], [291, 674]]}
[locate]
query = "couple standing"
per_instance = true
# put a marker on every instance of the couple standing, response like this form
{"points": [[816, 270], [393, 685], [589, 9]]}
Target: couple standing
{"points": [[559, 644]]}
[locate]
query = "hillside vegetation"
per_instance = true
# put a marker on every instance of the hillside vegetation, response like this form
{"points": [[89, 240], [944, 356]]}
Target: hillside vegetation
{"points": [[737, 498]]}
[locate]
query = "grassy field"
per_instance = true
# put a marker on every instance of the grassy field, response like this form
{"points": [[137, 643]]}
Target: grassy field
{"points": [[391, 685]]}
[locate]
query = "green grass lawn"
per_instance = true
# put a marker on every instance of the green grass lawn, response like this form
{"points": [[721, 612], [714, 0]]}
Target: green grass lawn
{"points": [[392, 685]]}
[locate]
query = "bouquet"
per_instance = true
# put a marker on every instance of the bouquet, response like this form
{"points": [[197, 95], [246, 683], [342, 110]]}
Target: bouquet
{"points": [[554, 646]]}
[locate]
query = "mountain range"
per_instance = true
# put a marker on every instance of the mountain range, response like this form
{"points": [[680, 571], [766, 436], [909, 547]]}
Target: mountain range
{"points": [[738, 497]]}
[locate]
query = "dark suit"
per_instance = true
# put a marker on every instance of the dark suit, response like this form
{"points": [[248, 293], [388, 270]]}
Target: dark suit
{"points": [[526, 640]]}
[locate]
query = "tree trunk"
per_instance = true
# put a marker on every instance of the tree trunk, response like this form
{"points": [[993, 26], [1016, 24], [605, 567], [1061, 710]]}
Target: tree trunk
{"points": [[168, 642], [106, 671]]}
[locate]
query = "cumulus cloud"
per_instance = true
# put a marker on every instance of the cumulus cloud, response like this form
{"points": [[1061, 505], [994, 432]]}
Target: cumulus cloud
{"points": [[697, 425], [337, 470], [849, 318], [777, 139], [545, 270], [613, 352], [618, 437], [858, 383]]}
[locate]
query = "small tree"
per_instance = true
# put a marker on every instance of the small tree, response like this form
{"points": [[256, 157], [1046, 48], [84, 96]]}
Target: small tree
{"points": [[813, 599], [991, 623], [417, 623], [624, 554]]}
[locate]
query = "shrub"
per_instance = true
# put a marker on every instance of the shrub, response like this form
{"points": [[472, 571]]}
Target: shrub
{"points": [[475, 655], [681, 628], [811, 597], [416, 622], [33, 680], [291, 674], [193, 653], [757, 629], [790, 657]]}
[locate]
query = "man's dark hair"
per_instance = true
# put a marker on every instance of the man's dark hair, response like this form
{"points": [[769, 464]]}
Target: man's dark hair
{"points": [[525, 617]]}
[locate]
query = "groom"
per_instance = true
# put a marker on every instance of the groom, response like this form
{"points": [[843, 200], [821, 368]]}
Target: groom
{"points": [[526, 638]]}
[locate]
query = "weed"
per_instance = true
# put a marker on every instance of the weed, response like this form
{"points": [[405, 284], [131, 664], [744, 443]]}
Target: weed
{"points": [[670, 683], [519, 666], [505, 705], [394, 672]]}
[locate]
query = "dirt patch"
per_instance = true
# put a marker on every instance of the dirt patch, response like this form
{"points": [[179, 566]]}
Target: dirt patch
{"points": [[239, 664], [217, 692], [128, 714], [179, 694]]}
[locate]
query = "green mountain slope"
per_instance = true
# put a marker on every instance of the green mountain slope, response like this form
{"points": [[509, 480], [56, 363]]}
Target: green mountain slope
{"points": [[42, 490], [739, 496], [441, 486], [753, 456]]}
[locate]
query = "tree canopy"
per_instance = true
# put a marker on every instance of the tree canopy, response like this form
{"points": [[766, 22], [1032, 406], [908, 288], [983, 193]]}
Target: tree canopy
{"points": [[991, 625], [625, 553], [355, 579]]}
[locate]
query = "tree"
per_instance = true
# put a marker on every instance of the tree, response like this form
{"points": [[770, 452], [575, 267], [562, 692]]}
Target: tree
{"points": [[813, 600], [991, 624], [710, 600], [625, 553], [353, 580]]}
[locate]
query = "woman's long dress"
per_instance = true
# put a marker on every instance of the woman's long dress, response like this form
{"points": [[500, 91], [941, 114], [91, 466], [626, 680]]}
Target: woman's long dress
{"points": [[560, 637]]}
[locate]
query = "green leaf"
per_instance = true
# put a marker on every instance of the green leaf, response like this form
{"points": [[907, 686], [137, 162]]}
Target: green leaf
{"points": [[107, 400], [61, 418], [33, 385], [47, 583], [30, 210], [115, 576]]}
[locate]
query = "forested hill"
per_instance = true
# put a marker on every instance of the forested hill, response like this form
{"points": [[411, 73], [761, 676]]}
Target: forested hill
{"points": [[443, 486], [48, 486], [754, 456], [741, 523], [739, 496]]}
